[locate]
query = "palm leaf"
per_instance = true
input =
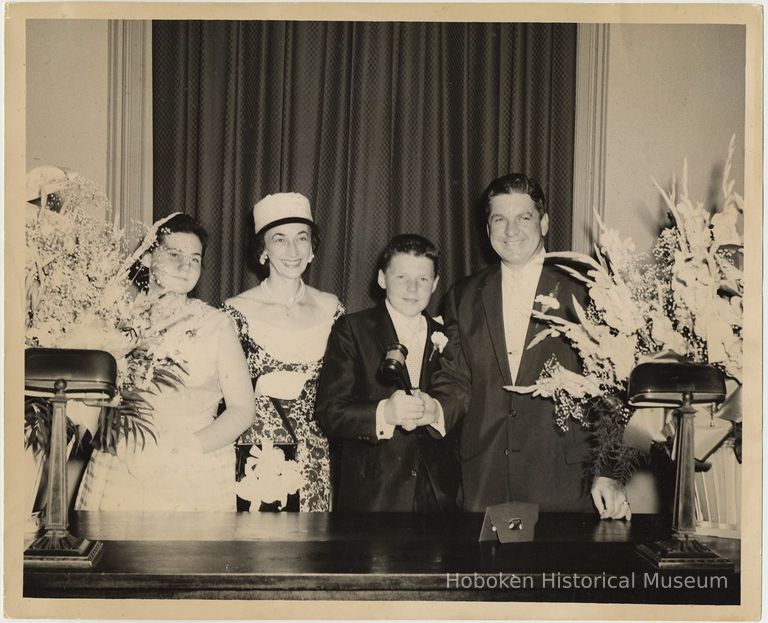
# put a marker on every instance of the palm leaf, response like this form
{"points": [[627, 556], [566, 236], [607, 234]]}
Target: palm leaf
{"points": [[38, 416], [556, 321], [572, 256], [166, 379], [605, 422], [580, 313], [541, 336], [163, 376], [131, 419], [576, 274], [600, 257]]}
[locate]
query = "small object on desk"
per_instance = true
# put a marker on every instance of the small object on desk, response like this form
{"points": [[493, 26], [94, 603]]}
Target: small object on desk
{"points": [[511, 522]]}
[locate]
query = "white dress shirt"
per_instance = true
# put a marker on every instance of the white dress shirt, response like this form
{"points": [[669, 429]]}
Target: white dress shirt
{"points": [[518, 291], [412, 333]]}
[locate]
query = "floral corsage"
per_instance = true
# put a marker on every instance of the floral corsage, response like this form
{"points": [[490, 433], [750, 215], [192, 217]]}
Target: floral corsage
{"points": [[548, 301], [269, 476], [438, 339]]}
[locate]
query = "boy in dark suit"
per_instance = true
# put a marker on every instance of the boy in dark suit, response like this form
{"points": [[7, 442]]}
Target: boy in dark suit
{"points": [[388, 461]]}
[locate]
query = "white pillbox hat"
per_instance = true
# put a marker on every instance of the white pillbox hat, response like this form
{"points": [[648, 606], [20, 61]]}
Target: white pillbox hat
{"points": [[281, 208]]}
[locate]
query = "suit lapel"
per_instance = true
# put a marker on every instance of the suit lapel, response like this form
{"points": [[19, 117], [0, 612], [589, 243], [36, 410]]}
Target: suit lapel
{"points": [[430, 354], [530, 364], [384, 329], [490, 295]]}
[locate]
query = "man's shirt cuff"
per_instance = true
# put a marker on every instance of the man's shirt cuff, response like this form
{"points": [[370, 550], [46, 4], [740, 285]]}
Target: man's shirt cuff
{"points": [[384, 430]]}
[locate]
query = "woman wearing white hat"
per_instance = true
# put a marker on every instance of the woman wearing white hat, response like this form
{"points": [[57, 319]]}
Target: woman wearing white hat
{"points": [[284, 326]]}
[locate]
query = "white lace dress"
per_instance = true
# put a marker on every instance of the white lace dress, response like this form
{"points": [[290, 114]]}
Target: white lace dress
{"points": [[159, 479]]}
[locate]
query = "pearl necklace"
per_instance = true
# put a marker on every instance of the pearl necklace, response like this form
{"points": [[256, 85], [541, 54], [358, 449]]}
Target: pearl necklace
{"points": [[292, 300]]}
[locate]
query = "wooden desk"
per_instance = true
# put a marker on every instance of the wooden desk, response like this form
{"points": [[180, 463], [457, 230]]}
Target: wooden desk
{"points": [[374, 556]]}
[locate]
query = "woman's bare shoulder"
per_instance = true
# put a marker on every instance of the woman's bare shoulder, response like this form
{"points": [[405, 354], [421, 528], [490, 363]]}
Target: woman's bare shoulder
{"points": [[251, 306], [324, 300], [245, 299]]}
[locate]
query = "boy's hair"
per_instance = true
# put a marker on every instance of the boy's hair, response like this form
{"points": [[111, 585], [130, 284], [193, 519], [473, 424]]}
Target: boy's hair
{"points": [[412, 244]]}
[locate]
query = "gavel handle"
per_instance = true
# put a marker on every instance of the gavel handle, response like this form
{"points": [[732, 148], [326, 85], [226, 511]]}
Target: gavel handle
{"points": [[405, 381]]}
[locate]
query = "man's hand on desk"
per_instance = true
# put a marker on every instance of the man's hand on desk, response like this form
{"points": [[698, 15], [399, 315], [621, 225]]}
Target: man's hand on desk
{"points": [[610, 499]]}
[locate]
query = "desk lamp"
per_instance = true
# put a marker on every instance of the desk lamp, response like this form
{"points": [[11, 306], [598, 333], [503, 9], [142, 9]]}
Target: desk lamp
{"points": [[679, 385], [60, 375]]}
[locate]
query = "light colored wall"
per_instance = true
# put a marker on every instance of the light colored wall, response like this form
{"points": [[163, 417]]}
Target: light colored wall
{"points": [[67, 94], [673, 91]]}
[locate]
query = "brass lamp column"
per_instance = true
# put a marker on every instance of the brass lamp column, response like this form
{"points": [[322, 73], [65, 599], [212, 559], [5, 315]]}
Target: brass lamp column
{"points": [[62, 375], [679, 385], [683, 517]]}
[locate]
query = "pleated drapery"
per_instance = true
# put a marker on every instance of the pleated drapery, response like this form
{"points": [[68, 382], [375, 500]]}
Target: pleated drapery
{"points": [[386, 127]]}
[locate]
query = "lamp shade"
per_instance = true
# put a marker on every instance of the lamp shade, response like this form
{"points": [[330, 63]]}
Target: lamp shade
{"points": [[664, 384], [88, 373]]}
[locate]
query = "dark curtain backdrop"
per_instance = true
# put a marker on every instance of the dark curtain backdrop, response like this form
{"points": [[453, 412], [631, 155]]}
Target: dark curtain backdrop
{"points": [[386, 127]]}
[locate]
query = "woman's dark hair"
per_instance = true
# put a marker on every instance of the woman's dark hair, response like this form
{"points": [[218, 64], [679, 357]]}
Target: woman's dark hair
{"points": [[178, 224], [510, 184], [412, 244], [258, 246], [182, 224]]}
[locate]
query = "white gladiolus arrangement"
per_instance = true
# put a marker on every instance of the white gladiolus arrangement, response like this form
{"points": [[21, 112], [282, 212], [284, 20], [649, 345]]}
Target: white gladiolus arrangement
{"points": [[79, 294], [686, 300]]}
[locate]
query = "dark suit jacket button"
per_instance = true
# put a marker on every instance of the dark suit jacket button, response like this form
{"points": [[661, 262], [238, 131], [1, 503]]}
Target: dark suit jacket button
{"points": [[512, 413], [506, 452], [414, 473]]}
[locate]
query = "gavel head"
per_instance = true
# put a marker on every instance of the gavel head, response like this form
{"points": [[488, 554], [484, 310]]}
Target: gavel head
{"points": [[394, 360], [393, 366]]}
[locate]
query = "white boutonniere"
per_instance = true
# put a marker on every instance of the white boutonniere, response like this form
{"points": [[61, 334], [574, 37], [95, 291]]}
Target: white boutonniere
{"points": [[439, 340], [548, 301]]}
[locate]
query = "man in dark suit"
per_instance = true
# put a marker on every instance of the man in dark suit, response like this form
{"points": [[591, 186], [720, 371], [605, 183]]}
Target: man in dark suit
{"points": [[511, 449], [388, 461]]}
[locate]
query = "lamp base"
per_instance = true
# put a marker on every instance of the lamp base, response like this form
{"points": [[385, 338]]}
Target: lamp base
{"points": [[61, 549], [682, 553]]}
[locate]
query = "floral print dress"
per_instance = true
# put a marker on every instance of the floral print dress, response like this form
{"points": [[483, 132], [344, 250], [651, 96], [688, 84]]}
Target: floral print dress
{"points": [[288, 423]]}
